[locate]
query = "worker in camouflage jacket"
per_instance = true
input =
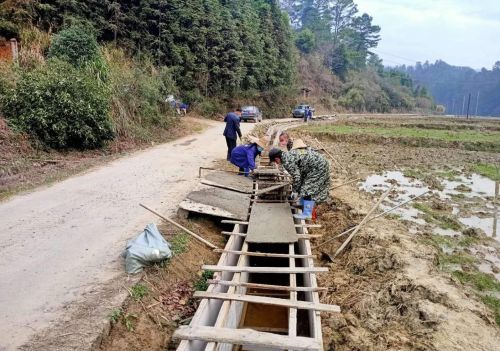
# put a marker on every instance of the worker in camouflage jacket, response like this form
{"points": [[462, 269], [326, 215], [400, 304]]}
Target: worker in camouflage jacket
{"points": [[310, 172]]}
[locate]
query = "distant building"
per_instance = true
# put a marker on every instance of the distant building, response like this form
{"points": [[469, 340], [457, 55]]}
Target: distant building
{"points": [[8, 49]]}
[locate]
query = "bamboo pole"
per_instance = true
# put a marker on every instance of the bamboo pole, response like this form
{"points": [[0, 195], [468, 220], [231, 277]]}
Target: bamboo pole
{"points": [[348, 240], [371, 219], [329, 154], [208, 243], [346, 183]]}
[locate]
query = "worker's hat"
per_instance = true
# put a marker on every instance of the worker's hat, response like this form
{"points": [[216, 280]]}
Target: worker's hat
{"points": [[262, 142], [299, 144]]}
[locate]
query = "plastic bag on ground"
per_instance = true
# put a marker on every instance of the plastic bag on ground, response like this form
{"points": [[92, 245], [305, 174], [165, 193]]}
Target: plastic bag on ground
{"points": [[145, 249]]}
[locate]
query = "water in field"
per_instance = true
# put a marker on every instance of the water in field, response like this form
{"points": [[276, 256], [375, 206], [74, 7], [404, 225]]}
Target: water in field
{"points": [[469, 198]]}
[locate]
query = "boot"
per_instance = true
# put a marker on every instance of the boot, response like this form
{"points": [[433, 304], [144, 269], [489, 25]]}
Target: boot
{"points": [[307, 212]]}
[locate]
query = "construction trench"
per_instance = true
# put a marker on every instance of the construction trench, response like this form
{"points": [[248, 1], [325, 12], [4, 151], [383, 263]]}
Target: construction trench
{"points": [[264, 294]]}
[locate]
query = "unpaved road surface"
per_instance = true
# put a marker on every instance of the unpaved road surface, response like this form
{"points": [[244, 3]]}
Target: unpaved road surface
{"points": [[59, 245]]}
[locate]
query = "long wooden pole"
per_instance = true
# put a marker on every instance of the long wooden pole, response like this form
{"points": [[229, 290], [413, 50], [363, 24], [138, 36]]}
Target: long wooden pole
{"points": [[208, 243], [348, 240], [343, 184], [329, 154], [371, 219]]}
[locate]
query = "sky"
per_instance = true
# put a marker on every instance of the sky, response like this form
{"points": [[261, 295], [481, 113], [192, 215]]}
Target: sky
{"points": [[459, 32]]}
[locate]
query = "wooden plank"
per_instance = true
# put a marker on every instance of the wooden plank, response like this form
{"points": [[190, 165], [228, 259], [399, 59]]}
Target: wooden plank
{"points": [[298, 236], [263, 254], [231, 233], [247, 269], [292, 313], [271, 223], [305, 305], [246, 337], [264, 286], [271, 188], [229, 221]]}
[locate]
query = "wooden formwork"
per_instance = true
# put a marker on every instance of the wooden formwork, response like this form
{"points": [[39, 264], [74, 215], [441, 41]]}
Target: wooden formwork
{"points": [[264, 296]]}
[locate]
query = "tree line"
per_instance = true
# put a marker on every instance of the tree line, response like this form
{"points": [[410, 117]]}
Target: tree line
{"points": [[451, 86], [213, 47]]}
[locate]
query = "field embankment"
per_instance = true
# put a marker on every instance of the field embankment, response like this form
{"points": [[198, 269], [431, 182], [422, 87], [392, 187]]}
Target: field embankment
{"points": [[419, 132]]}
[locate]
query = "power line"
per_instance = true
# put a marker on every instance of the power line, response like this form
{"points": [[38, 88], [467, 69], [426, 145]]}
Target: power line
{"points": [[400, 57]]}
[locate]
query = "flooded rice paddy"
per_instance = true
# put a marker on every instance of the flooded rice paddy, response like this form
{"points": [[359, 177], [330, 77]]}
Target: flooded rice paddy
{"points": [[470, 198]]}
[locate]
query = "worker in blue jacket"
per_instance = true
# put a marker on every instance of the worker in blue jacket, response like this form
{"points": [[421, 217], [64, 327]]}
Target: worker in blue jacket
{"points": [[232, 130], [243, 156]]}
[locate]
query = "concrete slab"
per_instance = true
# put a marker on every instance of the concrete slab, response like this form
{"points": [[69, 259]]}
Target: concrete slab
{"points": [[229, 181], [218, 202], [271, 223]]}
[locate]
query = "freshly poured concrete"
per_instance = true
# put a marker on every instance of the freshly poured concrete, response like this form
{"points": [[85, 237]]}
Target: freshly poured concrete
{"points": [[271, 223]]}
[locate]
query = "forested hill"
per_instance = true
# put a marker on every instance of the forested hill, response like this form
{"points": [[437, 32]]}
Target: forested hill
{"points": [[212, 47], [451, 84], [334, 37]]}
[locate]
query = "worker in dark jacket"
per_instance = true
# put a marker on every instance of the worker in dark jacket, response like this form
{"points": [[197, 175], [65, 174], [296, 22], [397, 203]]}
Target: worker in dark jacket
{"points": [[243, 156], [232, 130]]}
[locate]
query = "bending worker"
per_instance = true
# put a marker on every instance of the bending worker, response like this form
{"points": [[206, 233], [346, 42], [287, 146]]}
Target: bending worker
{"points": [[310, 172], [243, 156]]}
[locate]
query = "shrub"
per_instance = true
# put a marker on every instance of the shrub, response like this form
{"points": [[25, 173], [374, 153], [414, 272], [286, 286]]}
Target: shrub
{"points": [[61, 105], [76, 45], [305, 40]]}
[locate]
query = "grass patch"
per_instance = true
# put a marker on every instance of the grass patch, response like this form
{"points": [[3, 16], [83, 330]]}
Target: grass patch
{"points": [[456, 259], [138, 291], [438, 241], [444, 221], [451, 175], [466, 241], [481, 281], [468, 139], [457, 197], [494, 304], [413, 173], [116, 315], [202, 283], [179, 243], [444, 135], [487, 170]]}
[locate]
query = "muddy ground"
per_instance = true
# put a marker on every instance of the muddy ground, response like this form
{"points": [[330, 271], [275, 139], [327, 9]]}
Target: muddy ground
{"points": [[400, 285]]}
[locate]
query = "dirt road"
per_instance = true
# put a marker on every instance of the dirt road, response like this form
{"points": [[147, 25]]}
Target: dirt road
{"points": [[60, 245]]}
